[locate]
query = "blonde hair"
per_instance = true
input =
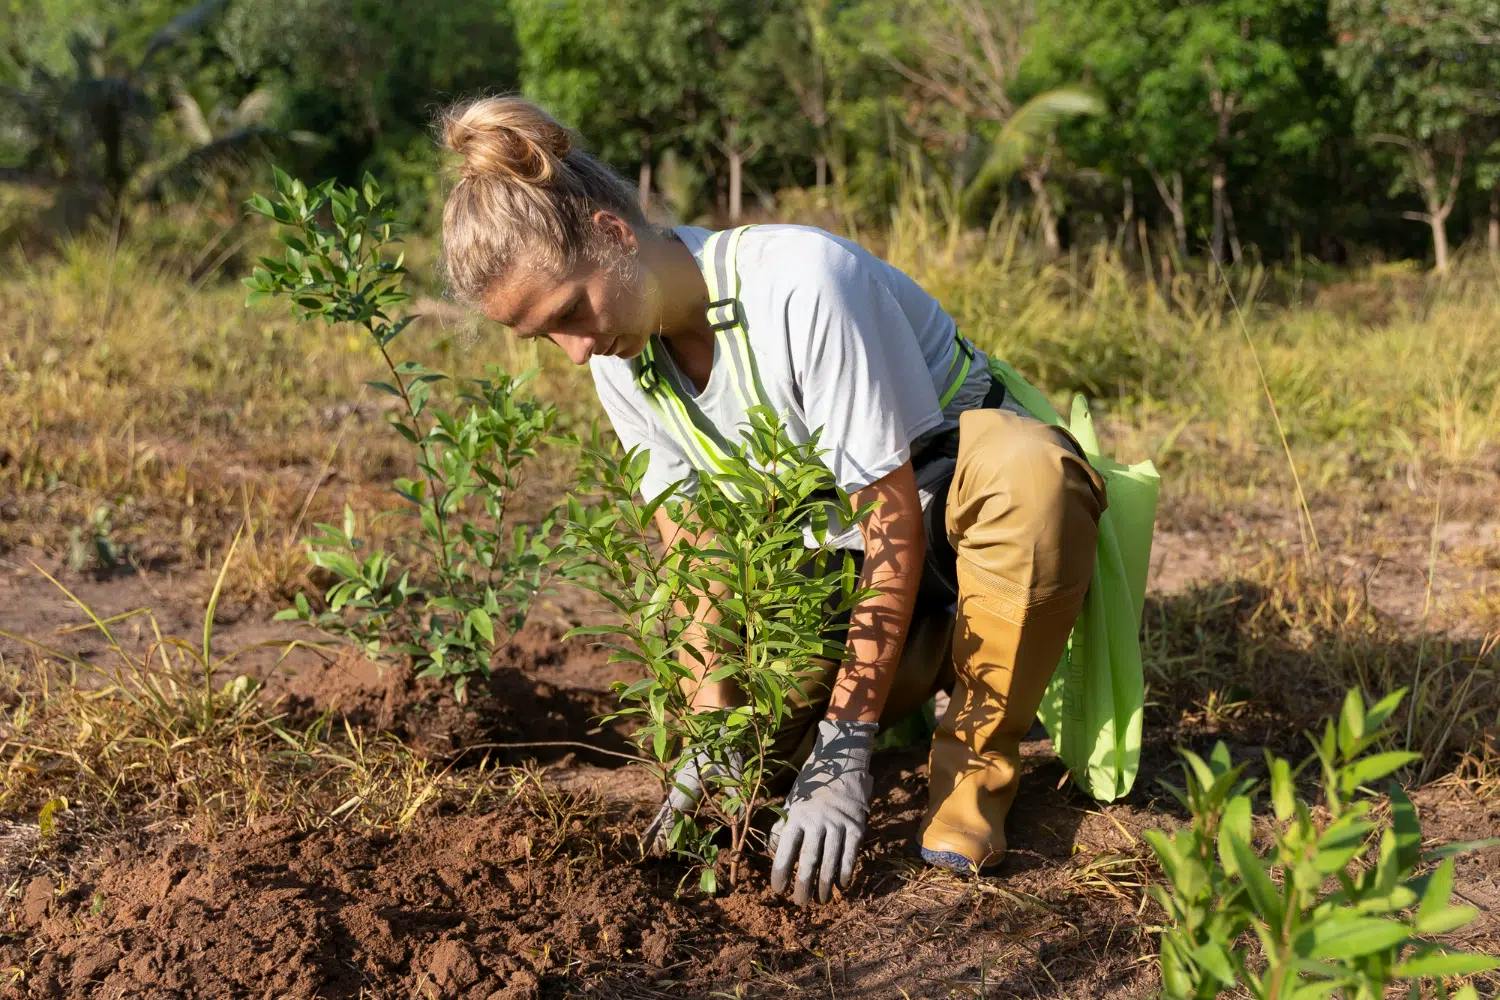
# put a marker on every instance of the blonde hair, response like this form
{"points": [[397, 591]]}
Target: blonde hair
{"points": [[525, 196]]}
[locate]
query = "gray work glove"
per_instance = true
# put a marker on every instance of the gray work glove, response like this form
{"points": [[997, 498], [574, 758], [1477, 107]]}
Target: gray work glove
{"points": [[685, 794], [825, 812]]}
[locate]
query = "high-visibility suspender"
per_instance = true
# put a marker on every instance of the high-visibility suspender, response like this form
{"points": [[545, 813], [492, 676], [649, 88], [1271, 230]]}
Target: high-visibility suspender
{"points": [[704, 446]]}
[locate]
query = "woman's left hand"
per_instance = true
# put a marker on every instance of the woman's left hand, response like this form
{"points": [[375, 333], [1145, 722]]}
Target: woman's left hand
{"points": [[826, 812]]}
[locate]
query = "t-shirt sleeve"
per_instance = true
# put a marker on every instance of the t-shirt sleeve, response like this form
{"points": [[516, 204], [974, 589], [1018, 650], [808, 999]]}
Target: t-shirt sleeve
{"points": [[636, 428], [861, 372]]}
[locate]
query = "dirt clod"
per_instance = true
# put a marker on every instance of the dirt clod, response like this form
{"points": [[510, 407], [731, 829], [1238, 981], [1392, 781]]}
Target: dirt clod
{"points": [[35, 900]]}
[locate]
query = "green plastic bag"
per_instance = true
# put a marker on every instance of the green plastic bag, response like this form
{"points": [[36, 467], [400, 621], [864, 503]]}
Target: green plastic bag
{"points": [[1093, 708]]}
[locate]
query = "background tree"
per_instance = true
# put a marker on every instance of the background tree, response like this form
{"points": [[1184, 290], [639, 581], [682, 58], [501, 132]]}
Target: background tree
{"points": [[1423, 74], [96, 132], [1194, 92], [960, 59]]}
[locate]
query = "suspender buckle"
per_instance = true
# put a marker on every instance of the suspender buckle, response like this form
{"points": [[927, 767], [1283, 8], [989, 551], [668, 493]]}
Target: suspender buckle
{"points": [[645, 369], [725, 314]]}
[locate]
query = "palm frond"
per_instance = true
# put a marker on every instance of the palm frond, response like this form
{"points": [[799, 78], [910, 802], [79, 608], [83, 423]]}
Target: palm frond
{"points": [[1031, 125], [253, 108], [190, 116], [192, 167]]}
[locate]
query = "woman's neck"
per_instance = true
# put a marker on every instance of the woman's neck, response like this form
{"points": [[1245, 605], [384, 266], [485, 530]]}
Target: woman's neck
{"points": [[682, 295]]}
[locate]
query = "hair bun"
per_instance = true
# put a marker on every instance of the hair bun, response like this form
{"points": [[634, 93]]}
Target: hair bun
{"points": [[508, 138]]}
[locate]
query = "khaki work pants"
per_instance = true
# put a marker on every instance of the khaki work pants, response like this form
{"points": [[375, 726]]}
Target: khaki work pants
{"points": [[1022, 516]]}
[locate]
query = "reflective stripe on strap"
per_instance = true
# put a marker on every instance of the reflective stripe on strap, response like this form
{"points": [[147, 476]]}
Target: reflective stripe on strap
{"points": [[726, 315], [730, 327], [703, 452]]}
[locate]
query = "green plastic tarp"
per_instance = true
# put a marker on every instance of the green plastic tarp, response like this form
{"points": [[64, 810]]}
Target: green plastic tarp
{"points": [[1092, 710]]}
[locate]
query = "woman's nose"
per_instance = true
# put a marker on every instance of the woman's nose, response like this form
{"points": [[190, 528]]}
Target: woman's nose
{"points": [[578, 349]]}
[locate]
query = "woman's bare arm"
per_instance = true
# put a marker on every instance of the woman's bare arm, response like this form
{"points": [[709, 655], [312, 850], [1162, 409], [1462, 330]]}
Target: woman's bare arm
{"points": [[895, 546]]}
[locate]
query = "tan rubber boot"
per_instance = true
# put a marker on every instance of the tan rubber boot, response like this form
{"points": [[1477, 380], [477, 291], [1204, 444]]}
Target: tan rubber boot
{"points": [[1023, 515], [1003, 661]]}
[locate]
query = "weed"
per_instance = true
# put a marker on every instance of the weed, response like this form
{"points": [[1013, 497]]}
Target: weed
{"points": [[95, 547]]}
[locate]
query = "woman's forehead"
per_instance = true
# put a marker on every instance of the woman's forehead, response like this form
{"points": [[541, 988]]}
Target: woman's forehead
{"points": [[528, 297]]}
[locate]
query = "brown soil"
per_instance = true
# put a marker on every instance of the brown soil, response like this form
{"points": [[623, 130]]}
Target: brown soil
{"points": [[509, 905], [548, 896]]}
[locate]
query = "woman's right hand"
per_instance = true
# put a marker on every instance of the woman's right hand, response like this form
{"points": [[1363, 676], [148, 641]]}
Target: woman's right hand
{"points": [[685, 794]]}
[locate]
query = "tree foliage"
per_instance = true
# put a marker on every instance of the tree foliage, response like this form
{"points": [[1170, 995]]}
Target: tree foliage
{"points": [[1212, 127]]}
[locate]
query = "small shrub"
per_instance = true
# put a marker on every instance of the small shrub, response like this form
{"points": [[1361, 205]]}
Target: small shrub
{"points": [[468, 584], [1330, 922], [769, 605]]}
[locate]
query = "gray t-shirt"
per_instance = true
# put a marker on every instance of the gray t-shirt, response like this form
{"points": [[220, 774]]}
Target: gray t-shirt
{"points": [[843, 341]]}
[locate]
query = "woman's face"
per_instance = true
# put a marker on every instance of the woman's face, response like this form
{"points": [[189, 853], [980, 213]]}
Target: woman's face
{"points": [[592, 310]]}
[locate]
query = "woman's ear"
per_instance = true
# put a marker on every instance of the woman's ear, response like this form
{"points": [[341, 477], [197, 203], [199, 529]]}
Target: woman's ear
{"points": [[616, 231]]}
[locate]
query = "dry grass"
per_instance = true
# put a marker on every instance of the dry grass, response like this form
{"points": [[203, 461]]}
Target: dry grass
{"points": [[174, 733], [142, 387]]}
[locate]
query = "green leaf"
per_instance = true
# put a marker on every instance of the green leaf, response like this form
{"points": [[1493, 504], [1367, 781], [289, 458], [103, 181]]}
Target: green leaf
{"points": [[1351, 722], [1235, 822], [1212, 957], [481, 623], [1283, 793], [1374, 767], [1341, 842], [1346, 937], [1434, 915], [1382, 710], [1262, 890], [1405, 827], [1437, 963]]}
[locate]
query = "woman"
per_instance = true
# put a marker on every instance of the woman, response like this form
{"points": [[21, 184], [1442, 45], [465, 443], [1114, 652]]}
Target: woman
{"points": [[683, 329]]}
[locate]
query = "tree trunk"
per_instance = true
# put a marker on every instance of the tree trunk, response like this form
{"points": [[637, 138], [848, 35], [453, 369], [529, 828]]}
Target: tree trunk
{"points": [[1438, 201], [1235, 250], [1172, 198], [1438, 220], [1046, 214], [1220, 183], [643, 184], [820, 161], [1494, 233], [736, 184]]}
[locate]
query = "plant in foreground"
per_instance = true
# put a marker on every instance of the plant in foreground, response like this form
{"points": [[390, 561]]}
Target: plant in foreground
{"points": [[1329, 922], [736, 596], [484, 573]]}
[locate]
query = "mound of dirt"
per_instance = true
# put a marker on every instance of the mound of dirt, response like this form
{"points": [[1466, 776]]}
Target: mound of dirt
{"points": [[544, 692], [535, 902]]}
